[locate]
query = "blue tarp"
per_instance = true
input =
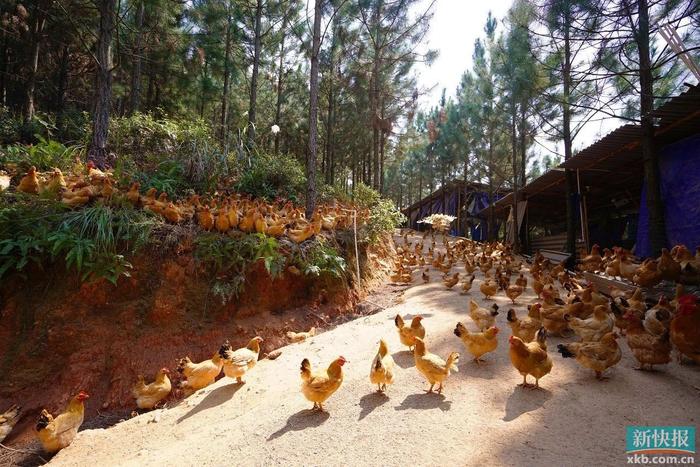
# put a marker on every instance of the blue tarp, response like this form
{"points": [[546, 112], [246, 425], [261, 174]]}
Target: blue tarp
{"points": [[679, 165]]}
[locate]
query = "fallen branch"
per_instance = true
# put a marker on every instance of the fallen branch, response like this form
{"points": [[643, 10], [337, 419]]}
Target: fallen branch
{"points": [[24, 451]]}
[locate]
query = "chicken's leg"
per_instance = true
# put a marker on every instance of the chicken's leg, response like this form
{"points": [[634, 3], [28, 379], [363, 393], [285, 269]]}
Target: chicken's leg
{"points": [[439, 389], [431, 388], [525, 384]]}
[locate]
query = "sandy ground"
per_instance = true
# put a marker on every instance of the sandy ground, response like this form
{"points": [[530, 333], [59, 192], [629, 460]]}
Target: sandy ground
{"points": [[482, 418]]}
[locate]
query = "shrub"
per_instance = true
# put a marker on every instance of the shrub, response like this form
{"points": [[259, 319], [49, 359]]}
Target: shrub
{"points": [[319, 258], [273, 177], [92, 240], [384, 215], [145, 145], [229, 258], [44, 155]]}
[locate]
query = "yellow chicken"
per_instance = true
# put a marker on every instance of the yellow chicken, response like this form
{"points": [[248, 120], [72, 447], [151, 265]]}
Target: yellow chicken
{"points": [[237, 363], [467, 285], [149, 395], [407, 335], [382, 371], [531, 358], [525, 328], [57, 433], [433, 368], [593, 328], [596, 355], [478, 343], [318, 386], [482, 317], [451, 281], [30, 182], [200, 375], [8, 421], [296, 337]]}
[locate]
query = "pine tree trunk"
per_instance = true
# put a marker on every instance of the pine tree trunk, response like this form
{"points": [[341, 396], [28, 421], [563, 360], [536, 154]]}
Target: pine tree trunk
{"points": [[657, 226], [257, 45], [35, 46], [3, 68], [225, 92], [61, 88], [313, 114], [98, 152], [138, 60], [280, 78], [514, 144], [568, 143]]}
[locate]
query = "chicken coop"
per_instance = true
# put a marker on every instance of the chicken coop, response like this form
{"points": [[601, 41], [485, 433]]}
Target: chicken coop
{"points": [[457, 198], [609, 198]]}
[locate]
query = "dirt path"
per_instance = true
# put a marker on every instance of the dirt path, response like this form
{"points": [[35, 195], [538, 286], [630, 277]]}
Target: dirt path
{"points": [[482, 418]]}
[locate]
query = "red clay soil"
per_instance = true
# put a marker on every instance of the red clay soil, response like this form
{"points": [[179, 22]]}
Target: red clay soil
{"points": [[58, 336]]}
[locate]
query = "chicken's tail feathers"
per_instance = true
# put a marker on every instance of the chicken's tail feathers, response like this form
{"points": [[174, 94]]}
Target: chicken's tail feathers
{"points": [[224, 350], [511, 316], [398, 320], [377, 363], [44, 419], [305, 369], [564, 351], [452, 361], [460, 330]]}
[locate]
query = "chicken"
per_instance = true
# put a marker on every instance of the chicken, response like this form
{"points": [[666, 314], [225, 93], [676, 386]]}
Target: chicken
{"points": [[199, 375], [8, 421], [668, 268], [482, 317], [592, 262], [593, 328], [301, 336], [318, 386], [55, 184], [30, 182], [489, 288], [426, 276], [513, 292], [133, 195], [596, 355], [531, 358], [685, 328], [382, 371], [649, 350], [57, 433], [525, 328], [451, 281], [521, 281], [205, 218], [433, 368], [467, 285], [407, 335], [237, 363], [149, 395], [478, 343]]}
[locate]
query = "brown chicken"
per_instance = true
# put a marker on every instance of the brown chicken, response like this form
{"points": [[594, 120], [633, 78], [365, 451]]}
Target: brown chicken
{"points": [[149, 395], [531, 358], [596, 355], [8, 421], [57, 433], [426, 276], [513, 292], [451, 281], [199, 375], [133, 195], [526, 328], [685, 328], [317, 386], [433, 368], [238, 362], [649, 350], [407, 335], [489, 288], [478, 343], [205, 218]]}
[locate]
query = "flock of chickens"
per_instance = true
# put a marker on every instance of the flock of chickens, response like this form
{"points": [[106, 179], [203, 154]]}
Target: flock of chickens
{"points": [[651, 332], [223, 213]]}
